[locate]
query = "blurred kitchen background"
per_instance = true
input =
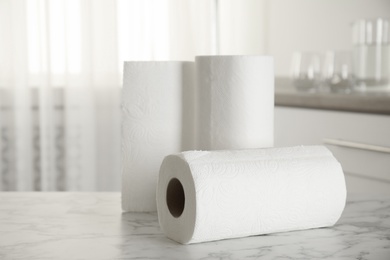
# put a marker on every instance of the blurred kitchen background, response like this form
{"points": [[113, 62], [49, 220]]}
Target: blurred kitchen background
{"points": [[61, 71]]}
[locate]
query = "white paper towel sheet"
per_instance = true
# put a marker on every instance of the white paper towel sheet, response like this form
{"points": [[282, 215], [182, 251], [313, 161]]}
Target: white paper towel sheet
{"points": [[157, 119], [204, 196], [235, 102]]}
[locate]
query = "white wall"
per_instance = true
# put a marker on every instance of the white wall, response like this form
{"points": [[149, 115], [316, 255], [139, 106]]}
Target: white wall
{"points": [[242, 26], [313, 25]]}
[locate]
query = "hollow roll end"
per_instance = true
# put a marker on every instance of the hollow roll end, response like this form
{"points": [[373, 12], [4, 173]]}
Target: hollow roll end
{"points": [[175, 199]]}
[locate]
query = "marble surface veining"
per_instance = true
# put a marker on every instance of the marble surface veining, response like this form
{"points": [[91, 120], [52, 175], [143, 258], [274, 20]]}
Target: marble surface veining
{"points": [[92, 226]]}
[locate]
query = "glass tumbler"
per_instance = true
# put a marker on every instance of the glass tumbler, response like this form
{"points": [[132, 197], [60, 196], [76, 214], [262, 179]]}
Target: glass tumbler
{"points": [[338, 71], [305, 70], [371, 52]]}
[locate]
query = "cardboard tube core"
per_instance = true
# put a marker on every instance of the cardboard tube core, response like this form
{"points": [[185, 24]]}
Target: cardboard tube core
{"points": [[175, 197]]}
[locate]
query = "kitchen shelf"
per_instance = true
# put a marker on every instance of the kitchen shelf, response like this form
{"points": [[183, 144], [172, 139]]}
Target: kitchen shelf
{"points": [[377, 102]]}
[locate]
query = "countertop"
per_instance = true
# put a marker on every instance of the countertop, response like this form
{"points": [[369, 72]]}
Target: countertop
{"points": [[373, 102], [92, 226]]}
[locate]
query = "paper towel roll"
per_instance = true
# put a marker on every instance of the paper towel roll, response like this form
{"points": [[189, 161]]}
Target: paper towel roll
{"points": [[157, 119], [235, 102], [204, 196]]}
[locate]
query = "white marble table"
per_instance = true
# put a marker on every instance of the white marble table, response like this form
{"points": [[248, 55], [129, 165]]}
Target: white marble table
{"points": [[92, 226]]}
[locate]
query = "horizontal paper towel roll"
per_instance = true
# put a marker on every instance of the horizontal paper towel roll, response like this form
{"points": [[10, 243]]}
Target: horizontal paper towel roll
{"points": [[235, 102], [204, 196], [157, 119]]}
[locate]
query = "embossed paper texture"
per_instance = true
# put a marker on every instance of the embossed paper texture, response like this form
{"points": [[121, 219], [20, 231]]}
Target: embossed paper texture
{"points": [[157, 107], [231, 194], [218, 102], [235, 102]]}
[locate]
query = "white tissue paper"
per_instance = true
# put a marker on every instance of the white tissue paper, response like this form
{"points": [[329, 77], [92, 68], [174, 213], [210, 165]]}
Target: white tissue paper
{"points": [[235, 102], [212, 195], [157, 119]]}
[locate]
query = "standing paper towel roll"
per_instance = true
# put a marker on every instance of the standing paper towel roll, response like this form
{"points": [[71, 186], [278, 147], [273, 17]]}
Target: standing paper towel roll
{"points": [[157, 119], [204, 196], [235, 102]]}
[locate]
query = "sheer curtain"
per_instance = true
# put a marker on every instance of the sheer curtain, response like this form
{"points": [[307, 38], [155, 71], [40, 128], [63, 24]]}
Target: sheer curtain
{"points": [[60, 78]]}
